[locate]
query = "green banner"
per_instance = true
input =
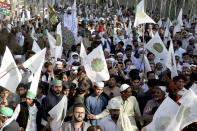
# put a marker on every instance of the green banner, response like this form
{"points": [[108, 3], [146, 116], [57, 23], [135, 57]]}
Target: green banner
{"points": [[5, 8]]}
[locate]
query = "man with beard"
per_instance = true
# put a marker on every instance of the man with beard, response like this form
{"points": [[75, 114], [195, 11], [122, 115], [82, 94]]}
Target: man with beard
{"points": [[129, 109], [153, 104], [78, 123], [53, 98], [112, 90], [110, 122]]}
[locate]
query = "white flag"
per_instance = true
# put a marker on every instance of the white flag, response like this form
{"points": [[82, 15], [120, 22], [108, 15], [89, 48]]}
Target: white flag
{"points": [[58, 113], [177, 28], [14, 117], [36, 77], [179, 19], [167, 33], [163, 116], [157, 47], [171, 62], [186, 114], [10, 75], [141, 16], [35, 47], [159, 23], [129, 29], [83, 54], [59, 35], [146, 64], [33, 34], [166, 36], [168, 23], [58, 48], [33, 63], [52, 44], [96, 67], [140, 6], [52, 40]]}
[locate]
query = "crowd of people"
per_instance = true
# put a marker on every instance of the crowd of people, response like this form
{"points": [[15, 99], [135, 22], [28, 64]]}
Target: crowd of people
{"points": [[125, 102]]}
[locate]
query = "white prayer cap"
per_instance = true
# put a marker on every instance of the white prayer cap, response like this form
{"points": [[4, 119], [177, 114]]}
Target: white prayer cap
{"points": [[119, 53], [192, 65], [110, 59], [186, 65], [191, 37], [18, 56], [107, 50], [175, 54], [114, 104], [93, 36], [58, 63], [157, 61], [98, 84], [74, 53], [118, 29], [69, 8], [140, 49], [129, 68], [102, 19], [124, 87], [80, 19]]}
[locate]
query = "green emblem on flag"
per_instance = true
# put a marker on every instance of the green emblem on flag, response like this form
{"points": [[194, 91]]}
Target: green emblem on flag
{"points": [[58, 40], [141, 14], [97, 65], [158, 47]]}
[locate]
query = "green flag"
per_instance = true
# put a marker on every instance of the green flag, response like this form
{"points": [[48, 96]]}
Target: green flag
{"points": [[52, 16]]}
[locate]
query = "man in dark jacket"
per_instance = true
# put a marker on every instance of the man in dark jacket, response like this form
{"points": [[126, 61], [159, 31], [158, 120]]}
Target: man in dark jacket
{"points": [[52, 99], [30, 113]]}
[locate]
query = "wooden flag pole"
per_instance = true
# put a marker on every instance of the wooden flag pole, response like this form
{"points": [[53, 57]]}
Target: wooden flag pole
{"points": [[170, 8], [144, 72], [7, 72]]}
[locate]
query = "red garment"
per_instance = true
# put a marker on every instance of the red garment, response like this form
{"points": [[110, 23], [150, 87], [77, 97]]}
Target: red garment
{"points": [[100, 29]]}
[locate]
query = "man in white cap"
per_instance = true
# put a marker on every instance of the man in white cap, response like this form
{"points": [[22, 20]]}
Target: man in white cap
{"points": [[96, 102], [153, 104], [110, 123], [129, 107], [59, 65]]}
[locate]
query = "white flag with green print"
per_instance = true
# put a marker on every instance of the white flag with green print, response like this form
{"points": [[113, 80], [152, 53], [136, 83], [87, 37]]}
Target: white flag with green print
{"points": [[96, 66], [157, 47]]}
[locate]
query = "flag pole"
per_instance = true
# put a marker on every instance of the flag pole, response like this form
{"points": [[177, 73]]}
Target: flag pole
{"points": [[170, 8], [7, 72], [143, 30]]}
